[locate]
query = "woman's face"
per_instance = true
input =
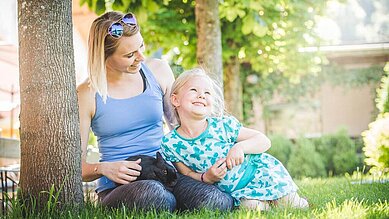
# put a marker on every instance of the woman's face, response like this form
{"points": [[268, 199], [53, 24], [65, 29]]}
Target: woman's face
{"points": [[128, 56]]}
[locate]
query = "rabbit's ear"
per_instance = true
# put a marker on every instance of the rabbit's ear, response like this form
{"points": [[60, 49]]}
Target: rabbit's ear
{"points": [[159, 157]]}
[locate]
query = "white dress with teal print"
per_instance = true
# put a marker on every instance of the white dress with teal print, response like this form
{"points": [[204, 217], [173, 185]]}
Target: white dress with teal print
{"points": [[260, 176]]}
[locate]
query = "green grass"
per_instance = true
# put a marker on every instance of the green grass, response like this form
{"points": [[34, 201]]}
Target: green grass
{"points": [[329, 198]]}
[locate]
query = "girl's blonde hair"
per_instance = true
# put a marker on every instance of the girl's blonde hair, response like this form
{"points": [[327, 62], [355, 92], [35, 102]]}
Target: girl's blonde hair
{"points": [[101, 45], [218, 103]]}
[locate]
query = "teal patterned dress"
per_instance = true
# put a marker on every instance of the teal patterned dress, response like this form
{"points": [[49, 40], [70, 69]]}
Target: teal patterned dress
{"points": [[260, 176]]}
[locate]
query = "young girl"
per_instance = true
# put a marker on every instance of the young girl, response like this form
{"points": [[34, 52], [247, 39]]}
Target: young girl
{"points": [[213, 148]]}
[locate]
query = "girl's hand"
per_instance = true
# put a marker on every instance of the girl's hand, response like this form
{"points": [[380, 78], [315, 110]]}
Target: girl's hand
{"points": [[235, 156], [216, 172], [122, 172]]}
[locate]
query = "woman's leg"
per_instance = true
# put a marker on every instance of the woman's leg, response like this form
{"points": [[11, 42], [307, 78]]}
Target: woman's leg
{"points": [[192, 194], [143, 194]]}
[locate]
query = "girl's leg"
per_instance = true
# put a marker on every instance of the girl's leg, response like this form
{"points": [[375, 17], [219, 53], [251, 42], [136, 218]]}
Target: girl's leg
{"points": [[143, 194], [293, 200], [192, 194]]}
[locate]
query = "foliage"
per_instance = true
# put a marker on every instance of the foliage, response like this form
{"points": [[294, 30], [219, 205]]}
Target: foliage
{"points": [[329, 198], [376, 138], [361, 156], [325, 147], [338, 75], [310, 84], [92, 140], [345, 159], [376, 149], [305, 161], [264, 35], [172, 30], [382, 101], [280, 148], [338, 152]]}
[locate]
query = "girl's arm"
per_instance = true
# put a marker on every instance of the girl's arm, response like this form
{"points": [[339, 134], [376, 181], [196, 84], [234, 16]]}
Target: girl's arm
{"points": [[249, 141], [212, 175], [252, 141]]}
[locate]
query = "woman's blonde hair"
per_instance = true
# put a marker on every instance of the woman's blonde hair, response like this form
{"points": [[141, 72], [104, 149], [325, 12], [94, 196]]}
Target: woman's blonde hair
{"points": [[101, 45], [218, 103]]}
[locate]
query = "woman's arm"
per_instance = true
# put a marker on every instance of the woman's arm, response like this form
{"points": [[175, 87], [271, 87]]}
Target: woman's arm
{"points": [[212, 175], [86, 105], [249, 141], [121, 172], [164, 75]]}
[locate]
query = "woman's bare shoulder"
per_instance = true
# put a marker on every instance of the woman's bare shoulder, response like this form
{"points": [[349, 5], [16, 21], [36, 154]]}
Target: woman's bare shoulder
{"points": [[162, 71], [85, 90], [158, 66]]}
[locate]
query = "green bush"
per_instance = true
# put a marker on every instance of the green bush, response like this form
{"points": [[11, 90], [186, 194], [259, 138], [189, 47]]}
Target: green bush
{"points": [[325, 147], [280, 148], [382, 100], [376, 148], [376, 138], [361, 156], [338, 152], [345, 158], [305, 161]]}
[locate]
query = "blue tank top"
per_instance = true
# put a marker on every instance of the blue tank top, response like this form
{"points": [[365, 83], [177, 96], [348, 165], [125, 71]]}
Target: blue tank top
{"points": [[127, 127]]}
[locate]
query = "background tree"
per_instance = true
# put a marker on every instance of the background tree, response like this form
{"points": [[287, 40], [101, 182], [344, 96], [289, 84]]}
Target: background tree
{"points": [[209, 46], [49, 124], [261, 41]]}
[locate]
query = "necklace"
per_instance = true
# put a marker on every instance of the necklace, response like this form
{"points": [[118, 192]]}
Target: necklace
{"points": [[195, 133]]}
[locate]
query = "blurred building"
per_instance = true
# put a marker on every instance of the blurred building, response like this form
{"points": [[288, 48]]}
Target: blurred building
{"points": [[9, 65], [357, 37], [9, 72]]}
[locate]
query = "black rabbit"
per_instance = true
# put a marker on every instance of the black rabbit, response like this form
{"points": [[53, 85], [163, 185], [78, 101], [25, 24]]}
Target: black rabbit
{"points": [[156, 169]]}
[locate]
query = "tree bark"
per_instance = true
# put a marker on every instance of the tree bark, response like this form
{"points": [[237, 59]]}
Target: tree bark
{"points": [[233, 92], [258, 119], [49, 122], [209, 46]]}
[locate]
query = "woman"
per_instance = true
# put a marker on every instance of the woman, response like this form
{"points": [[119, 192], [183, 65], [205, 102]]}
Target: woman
{"points": [[123, 102]]}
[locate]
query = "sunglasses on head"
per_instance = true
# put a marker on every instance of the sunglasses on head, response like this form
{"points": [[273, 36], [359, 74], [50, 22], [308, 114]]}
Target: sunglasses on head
{"points": [[116, 29]]}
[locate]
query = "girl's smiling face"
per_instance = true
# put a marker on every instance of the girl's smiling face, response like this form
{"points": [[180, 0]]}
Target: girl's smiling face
{"points": [[194, 99]]}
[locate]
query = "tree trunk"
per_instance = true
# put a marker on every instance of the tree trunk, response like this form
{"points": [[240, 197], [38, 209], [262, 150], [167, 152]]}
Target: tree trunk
{"points": [[233, 93], [49, 123], [258, 120], [209, 46]]}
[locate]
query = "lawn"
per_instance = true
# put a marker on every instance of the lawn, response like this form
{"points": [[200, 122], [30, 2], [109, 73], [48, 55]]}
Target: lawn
{"points": [[344, 197]]}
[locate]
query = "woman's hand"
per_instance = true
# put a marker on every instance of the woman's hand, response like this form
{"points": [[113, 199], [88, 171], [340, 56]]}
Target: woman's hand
{"points": [[235, 156], [216, 172], [122, 172]]}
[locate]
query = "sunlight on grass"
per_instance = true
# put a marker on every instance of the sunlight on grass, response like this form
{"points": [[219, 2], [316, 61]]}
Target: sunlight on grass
{"points": [[381, 208], [348, 209], [337, 197]]}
